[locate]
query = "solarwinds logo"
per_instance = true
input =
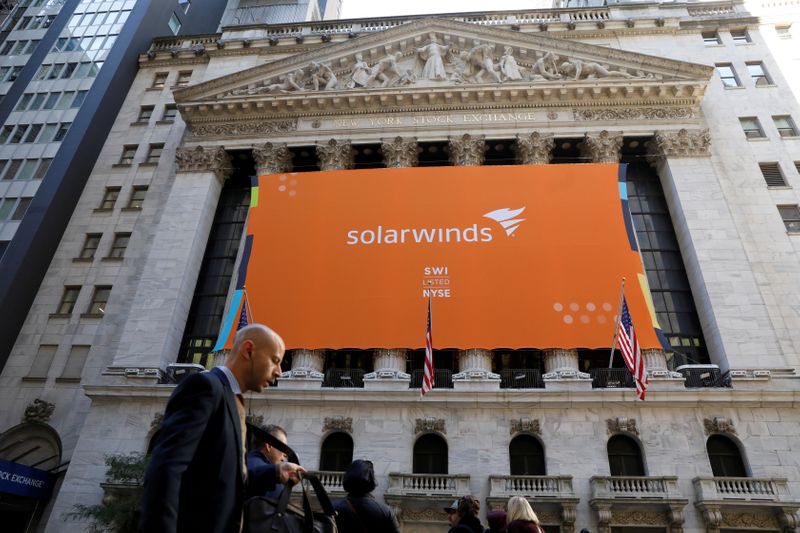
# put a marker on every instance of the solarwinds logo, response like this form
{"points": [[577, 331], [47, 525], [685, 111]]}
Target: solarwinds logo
{"points": [[507, 218]]}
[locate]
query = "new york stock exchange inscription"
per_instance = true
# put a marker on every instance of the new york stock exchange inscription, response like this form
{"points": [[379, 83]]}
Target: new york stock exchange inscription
{"points": [[437, 120]]}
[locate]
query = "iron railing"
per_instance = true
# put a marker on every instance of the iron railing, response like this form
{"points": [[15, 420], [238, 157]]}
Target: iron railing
{"points": [[705, 377], [521, 378], [344, 378], [611, 378], [442, 379]]}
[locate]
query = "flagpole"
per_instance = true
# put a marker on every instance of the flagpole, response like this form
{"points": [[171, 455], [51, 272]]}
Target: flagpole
{"points": [[616, 326], [429, 320]]}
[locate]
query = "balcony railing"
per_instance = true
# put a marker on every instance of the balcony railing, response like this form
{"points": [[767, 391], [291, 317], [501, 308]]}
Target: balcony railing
{"points": [[344, 378], [742, 489], [635, 487], [442, 379], [611, 378], [521, 378], [428, 484], [700, 376], [332, 481], [531, 486]]}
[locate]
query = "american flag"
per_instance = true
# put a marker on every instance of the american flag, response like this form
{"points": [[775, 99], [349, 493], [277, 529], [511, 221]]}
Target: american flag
{"points": [[631, 351], [244, 317], [427, 378]]}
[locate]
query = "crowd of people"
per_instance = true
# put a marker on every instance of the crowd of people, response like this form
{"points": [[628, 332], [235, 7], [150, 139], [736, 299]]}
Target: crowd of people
{"points": [[200, 472]]}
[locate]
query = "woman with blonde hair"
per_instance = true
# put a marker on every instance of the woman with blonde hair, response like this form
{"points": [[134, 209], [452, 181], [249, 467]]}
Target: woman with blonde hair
{"points": [[521, 518]]}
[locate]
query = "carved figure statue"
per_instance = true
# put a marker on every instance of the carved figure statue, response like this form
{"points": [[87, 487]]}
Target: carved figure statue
{"points": [[509, 70], [322, 76], [480, 62], [432, 55], [576, 69], [546, 67], [360, 73], [292, 81], [385, 70]]}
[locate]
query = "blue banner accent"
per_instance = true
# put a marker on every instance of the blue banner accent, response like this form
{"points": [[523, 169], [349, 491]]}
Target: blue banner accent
{"points": [[24, 480], [242, 276], [254, 181], [626, 212], [228, 324]]}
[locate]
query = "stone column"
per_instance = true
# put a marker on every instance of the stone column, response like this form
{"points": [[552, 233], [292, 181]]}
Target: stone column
{"points": [[400, 153], [712, 244], [389, 364], [655, 362], [602, 147], [272, 158], [475, 363], [335, 155], [467, 150], [306, 369], [535, 149], [560, 363], [160, 302]]}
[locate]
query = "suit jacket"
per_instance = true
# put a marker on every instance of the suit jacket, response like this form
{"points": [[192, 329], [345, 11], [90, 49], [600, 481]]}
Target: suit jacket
{"points": [[260, 471], [194, 481]]}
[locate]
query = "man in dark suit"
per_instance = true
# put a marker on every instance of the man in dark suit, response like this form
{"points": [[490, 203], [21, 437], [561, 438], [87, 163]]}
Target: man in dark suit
{"points": [[196, 478], [263, 457]]}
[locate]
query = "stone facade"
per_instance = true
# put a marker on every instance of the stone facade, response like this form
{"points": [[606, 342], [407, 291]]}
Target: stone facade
{"points": [[644, 73]]}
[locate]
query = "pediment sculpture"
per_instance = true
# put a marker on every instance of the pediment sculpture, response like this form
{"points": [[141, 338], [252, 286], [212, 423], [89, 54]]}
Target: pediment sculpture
{"points": [[433, 63]]}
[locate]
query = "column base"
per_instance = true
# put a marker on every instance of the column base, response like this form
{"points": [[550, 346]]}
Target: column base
{"points": [[565, 373], [475, 374], [387, 374], [476, 385], [568, 384], [398, 384]]}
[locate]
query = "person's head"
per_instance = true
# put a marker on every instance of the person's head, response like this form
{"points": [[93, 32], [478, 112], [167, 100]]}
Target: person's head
{"points": [[496, 520], [520, 509], [359, 478], [452, 513], [461, 508], [274, 455], [255, 357]]}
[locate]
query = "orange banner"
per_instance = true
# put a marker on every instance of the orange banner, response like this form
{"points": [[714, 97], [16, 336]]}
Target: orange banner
{"points": [[513, 256]]}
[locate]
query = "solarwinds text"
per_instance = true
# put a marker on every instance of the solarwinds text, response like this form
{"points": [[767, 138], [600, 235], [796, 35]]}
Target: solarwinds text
{"points": [[381, 235]]}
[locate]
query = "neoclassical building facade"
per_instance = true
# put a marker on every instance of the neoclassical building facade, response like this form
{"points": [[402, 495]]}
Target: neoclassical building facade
{"points": [[699, 100]]}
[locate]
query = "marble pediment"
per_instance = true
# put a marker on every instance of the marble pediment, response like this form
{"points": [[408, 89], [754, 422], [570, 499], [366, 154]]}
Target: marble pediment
{"points": [[445, 63]]}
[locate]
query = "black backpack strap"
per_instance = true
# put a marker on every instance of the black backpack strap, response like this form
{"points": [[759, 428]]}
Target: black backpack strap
{"points": [[274, 442]]}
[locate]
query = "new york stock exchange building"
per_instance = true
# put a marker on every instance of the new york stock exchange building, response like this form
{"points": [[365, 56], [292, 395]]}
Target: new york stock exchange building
{"points": [[330, 179]]}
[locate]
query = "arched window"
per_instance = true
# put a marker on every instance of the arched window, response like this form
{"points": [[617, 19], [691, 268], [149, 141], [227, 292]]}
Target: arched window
{"points": [[337, 452], [430, 455], [527, 456], [624, 457], [725, 458]]}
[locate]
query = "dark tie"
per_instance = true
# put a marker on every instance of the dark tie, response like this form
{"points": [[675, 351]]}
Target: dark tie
{"points": [[243, 426]]}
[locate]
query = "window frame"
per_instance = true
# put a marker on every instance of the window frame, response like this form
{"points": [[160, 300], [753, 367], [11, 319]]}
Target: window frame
{"points": [[788, 131], [154, 151], [733, 76], [119, 245], [711, 37], [91, 243], [137, 197], [145, 114], [748, 133], [99, 302], [756, 77], [128, 155], [792, 223], [740, 36], [159, 80], [111, 195], [69, 297]]}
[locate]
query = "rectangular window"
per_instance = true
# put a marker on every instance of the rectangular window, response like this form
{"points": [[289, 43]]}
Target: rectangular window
{"points": [[68, 300], [5, 133], [170, 112], [185, 5], [6, 205], [128, 153], [740, 36], [159, 80], [41, 73], [711, 37], [145, 112], [38, 100], [784, 31], [24, 101], [772, 174], [90, 245], [18, 48], [109, 198], [47, 133], [791, 217], [99, 300], [18, 133], [75, 362], [728, 75], [11, 172], [27, 169], [78, 101], [65, 100], [154, 153], [758, 74], [797, 166], [183, 78], [785, 126], [50, 103], [31, 46], [61, 132], [33, 132], [60, 45], [42, 361], [12, 76], [119, 245], [7, 47], [68, 71], [174, 24], [137, 196], [82, 71], [41, 170], [22, 208], [55, 71]]}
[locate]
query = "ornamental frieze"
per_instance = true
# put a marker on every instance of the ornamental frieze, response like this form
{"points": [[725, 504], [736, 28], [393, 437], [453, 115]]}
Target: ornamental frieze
{"points": [[425, 425], [204, 159], [748, 520], [235, 129], [719, 425], [526, 425], [645, 518], [39, 411], [634, 113], [683, 143], [621, 425], [338, 423]]}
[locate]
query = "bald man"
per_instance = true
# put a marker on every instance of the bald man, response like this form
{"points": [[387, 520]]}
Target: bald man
{"points": [[196, 478]]}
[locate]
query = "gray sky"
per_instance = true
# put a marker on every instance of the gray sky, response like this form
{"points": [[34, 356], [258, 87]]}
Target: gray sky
{"points": [[382, 8]]}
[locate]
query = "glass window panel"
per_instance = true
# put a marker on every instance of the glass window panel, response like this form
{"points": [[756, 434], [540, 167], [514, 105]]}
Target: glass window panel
{"points": [[19, 47], [47, 133], [41, 170], [32, 46], [6, 205], [12, 169], [75, 362], [174, 24], [5, 133], [90, 244], [79, 98], [33, 132], [21, 209], [65, 100], [94, 69], [12, 76], [42, 362], [18, 133], [68, 300], [82, 71], [55, 71], [38, 99], [41, 73], [24, 101], [67, 72], [99, 300], [52, 98], [61, 132]]}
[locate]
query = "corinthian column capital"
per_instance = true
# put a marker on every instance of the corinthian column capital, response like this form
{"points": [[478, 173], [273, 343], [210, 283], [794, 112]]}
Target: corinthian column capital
{"points": [[335, 155], [400, 153], [602, 147], [272, 158], [205, 159], [682, 143], [467, 150], [535, 148]]}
